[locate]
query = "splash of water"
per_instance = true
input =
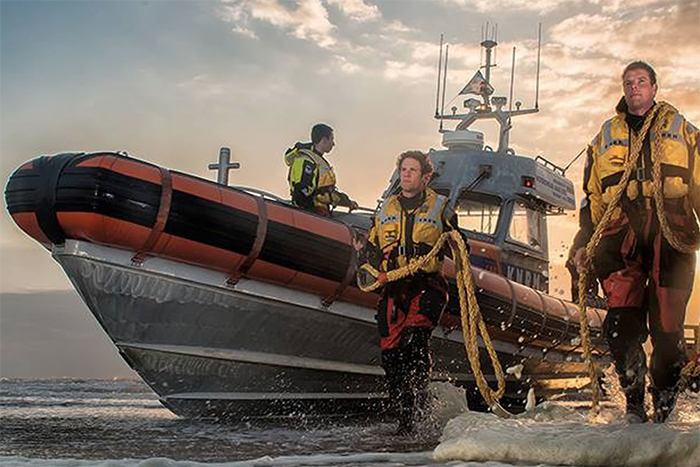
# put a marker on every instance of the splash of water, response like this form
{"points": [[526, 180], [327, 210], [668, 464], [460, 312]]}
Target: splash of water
{"points": [[557, 433]]}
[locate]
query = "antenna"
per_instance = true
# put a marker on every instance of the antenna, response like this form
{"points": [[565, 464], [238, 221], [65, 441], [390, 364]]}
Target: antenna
{"points": [[437, 97], [487, 107], [539, 47], [486, 37], [574, 160], [512, 78], [481, 50], [495, 39], [444, 83]]}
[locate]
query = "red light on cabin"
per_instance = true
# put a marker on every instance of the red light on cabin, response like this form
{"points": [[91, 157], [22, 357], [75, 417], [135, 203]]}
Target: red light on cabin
{"points": [[528, 182]]}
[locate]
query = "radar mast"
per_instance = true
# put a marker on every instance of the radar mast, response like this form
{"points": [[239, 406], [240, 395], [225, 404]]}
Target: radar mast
{"points": [[486, 106]]}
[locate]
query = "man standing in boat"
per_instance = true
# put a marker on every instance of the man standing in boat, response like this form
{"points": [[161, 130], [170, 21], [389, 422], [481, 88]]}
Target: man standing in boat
{"points": [[407, 226], [645, 259], [311, 178]]}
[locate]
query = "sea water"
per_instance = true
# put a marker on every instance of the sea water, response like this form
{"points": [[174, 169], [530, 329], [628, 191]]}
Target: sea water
{"points": [[120, 423]]}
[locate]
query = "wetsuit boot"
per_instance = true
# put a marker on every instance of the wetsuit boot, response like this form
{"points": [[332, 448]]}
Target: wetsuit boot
{"points": [[664, 398], [415, 377], [664, 402], [421, 376], [632, 380], [398, 367], [406, 403], [635, 410], [395, 385], [667, 362], [625, 334]]}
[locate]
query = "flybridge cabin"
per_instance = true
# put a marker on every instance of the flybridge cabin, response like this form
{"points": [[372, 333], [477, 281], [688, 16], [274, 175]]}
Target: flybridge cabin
{"points": [[502, 201], [501, 198]]}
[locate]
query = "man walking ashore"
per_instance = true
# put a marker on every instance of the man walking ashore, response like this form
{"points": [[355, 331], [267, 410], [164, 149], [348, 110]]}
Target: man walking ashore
{"points": [[645, 259], [407, 226]]}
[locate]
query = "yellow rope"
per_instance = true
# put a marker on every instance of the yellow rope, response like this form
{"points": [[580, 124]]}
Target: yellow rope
{"points": [[657, 184], [472, 321], [663, 111], [692, 368]]}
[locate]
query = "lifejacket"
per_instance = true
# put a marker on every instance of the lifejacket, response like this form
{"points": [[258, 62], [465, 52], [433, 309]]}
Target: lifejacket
{"points": [[312, 180], [608, 156], [396, 244]]}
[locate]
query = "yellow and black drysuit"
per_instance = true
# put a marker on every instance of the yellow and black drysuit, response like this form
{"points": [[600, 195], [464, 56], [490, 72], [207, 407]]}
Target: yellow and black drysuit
{"points": [[409, 309], [647, 282], [312, 180]]}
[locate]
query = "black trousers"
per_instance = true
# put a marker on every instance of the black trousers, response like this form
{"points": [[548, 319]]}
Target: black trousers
{"points": [[648, 285], [626, 330], [407, 369]]}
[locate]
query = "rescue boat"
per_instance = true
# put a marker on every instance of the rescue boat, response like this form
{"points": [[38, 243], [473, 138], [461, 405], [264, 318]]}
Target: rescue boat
{"points": [[232, 303]]}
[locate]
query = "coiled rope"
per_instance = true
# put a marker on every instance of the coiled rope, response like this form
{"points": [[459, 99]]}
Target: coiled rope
{"points": [[663, 112], [472, 322]]}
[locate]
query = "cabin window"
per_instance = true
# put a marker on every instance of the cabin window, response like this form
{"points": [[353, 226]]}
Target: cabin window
{"points": [[478, 212], [527, 226]]}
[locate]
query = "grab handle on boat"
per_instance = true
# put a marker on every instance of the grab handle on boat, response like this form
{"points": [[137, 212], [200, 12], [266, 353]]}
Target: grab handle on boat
{"points": [[349, 274], [254, 252], [166, 197]]}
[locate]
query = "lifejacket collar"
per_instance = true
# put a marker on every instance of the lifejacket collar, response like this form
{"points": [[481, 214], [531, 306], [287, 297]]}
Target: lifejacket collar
{"points": [[291, 153], [622, 108]]}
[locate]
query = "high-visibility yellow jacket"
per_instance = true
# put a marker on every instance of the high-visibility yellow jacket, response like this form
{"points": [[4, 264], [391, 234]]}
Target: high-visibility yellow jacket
{"points": [[401, 235], [608, 155], [312, 180]]}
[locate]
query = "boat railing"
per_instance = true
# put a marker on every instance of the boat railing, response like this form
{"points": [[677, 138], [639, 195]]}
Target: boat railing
{"points": [[364, 209], [279, 199], [550, 165], [263, 193]]}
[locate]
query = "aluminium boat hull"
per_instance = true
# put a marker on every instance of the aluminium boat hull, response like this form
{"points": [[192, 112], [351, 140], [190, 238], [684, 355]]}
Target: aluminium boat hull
{"points": [[256, 349]]}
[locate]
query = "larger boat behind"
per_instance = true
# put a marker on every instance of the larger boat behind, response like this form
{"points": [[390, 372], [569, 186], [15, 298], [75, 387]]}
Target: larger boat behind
{"points": [[232, 303]]}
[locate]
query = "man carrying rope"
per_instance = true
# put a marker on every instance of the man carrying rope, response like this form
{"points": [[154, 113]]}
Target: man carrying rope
{"points": [[406, 227], [640, 221]]}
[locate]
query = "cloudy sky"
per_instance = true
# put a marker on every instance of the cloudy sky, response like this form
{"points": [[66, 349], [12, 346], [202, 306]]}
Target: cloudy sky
{"points": [[172, 81]]}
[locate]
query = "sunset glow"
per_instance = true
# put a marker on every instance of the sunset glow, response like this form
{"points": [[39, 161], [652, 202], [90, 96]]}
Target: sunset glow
{"points": [[172, 82]]}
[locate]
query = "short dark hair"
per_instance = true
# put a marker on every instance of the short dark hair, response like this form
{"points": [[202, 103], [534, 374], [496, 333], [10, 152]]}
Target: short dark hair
{"points": [[640, 65], [426, 167], [320, 131]]}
